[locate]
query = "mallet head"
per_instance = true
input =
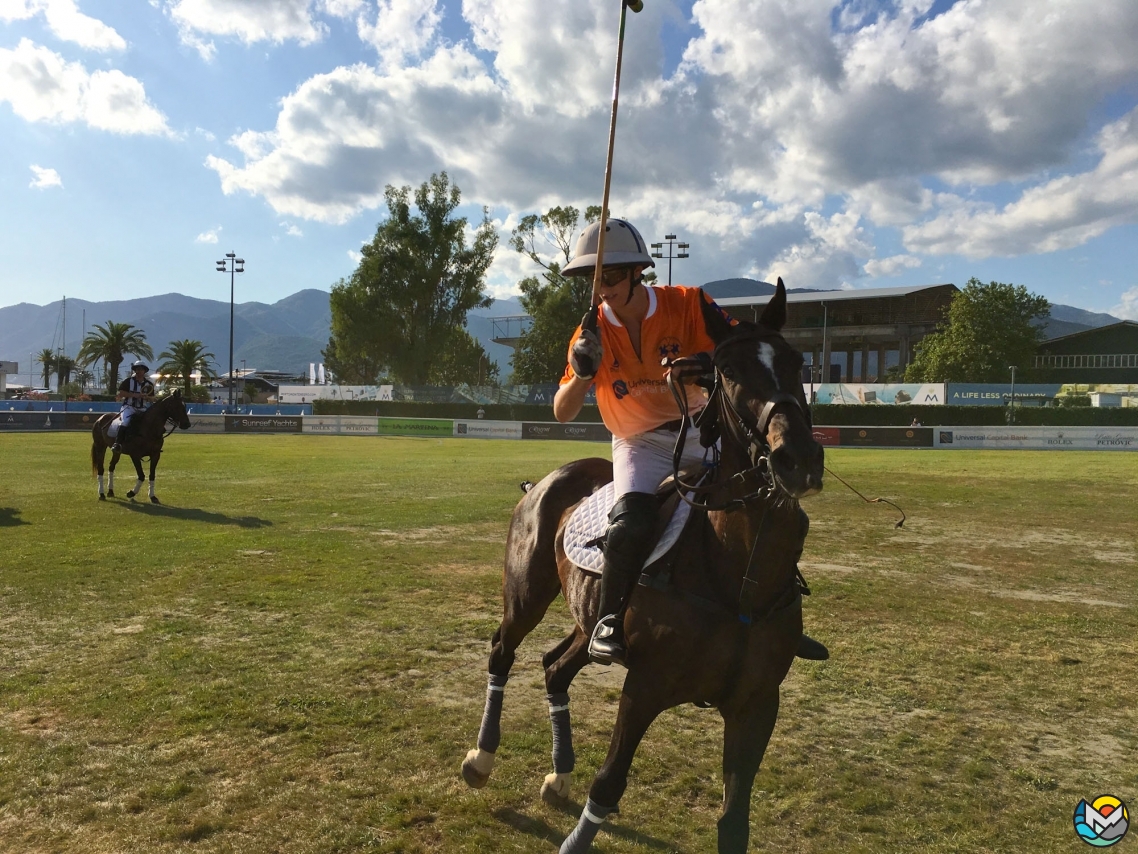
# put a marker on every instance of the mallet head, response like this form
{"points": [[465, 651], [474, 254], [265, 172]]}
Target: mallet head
{"points": [[634, 5]]}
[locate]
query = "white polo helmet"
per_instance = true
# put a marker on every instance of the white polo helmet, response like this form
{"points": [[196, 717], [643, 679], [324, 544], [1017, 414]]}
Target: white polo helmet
{"points": [[624, 247]]}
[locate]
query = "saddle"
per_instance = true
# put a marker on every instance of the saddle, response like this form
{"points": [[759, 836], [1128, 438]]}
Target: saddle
{"points": [[585, 530]]}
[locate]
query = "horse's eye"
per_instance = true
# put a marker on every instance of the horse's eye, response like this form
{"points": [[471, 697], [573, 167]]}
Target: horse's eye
{"points": [[728, 372]]}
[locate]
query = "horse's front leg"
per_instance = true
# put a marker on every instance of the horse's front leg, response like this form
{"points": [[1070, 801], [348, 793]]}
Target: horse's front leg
{"points": [[640, 703], [111, 473], [746, 733], [138, 483], [153, 466]]}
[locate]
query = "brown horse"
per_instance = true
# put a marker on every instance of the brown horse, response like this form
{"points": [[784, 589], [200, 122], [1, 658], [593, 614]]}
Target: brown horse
{"points": [[145, 441], [723, 630]]}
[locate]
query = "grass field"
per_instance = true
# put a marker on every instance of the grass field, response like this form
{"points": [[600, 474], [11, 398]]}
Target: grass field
{"points": [[289, 656]]}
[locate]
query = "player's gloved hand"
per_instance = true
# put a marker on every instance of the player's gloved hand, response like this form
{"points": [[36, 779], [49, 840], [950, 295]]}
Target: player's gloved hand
{"points": [[696, 365], [585, 357]]}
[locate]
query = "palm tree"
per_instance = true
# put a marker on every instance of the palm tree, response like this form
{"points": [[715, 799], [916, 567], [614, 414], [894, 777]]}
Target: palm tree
{"points": [[111, 343], [64, 365], [184, 358], [84, 377], [46, 358]]}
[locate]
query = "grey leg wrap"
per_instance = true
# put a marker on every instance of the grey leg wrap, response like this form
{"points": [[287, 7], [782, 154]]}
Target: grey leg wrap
{"points": [[563, 757], [592, 817], [490, 734]]}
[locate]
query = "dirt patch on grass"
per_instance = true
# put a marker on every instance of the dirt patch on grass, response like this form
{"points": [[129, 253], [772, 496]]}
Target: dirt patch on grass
{"points": [[1073, 597]]}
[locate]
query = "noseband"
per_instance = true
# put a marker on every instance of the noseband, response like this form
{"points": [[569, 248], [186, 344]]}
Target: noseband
{"points": [[755, 432]]}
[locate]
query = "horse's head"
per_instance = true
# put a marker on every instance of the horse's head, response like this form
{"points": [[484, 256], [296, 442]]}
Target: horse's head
{"points": [[764, 410], [175, 406]]}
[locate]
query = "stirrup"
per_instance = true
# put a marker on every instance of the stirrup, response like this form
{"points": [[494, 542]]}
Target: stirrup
{"points": [[606, 646], [811, 649], [117, 447]]}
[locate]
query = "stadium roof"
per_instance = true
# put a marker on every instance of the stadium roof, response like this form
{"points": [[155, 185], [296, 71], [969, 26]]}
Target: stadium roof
{"points": [[834, 296]]}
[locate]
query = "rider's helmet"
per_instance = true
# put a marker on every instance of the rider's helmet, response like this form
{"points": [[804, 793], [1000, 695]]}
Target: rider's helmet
{"points": [[139, 364], [624, 247]]}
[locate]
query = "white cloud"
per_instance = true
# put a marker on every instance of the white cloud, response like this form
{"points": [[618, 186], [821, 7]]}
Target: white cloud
{"points": [[1060, 214], [44, 178], [277, 21], [402, 28], [291, 230], [357, 257], [1128, 308], [208, 236], [775, 115], [66, 22], [891, 266], [42, 86]]}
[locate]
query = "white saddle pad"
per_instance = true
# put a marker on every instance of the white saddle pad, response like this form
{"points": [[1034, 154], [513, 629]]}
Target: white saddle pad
{"points": [[590, 520]]}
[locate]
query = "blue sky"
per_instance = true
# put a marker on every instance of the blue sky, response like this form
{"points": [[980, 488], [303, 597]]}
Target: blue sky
{"points": [[858, 144]]}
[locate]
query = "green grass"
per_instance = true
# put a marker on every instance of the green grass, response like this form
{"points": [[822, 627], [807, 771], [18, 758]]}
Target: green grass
{"points": [[290, 655]]}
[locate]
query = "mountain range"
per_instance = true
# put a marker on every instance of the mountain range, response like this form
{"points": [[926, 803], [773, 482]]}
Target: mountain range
{"points": [[289, 334]]}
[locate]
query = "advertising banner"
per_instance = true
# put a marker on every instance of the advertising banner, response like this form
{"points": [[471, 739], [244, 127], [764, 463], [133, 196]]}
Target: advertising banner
{"points": [[926, 394], [1039, 438], [33, 421], [886, 437], [827, 435], [207, 423], [360, 425], [415, 427], [586, 432], [263, 423], [999, 394], [488, 429], [328, 424]]}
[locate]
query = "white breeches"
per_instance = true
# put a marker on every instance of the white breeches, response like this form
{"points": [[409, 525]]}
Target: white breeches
{"points": [[127, 414], [639, 463]]}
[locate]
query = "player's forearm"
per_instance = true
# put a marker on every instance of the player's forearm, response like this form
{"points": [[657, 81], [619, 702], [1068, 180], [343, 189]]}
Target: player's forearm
{"points": [[570, 398]]}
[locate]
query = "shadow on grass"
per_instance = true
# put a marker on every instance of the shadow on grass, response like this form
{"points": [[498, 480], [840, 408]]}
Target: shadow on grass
{"points": [[537, 828], [192, 514], [10, 518]]}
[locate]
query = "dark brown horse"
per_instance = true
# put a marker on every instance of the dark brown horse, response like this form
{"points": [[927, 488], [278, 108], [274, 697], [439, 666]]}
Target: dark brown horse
{"points": [[723, 631], [149, 433]]}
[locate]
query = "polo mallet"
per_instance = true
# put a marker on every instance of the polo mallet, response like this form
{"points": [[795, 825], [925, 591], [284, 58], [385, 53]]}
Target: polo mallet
{"points": [[635, 6]]}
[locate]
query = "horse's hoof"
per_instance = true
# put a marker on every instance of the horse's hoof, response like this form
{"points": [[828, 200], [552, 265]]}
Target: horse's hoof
{"points": [[555, 789], [102, 497], [474, 778], [130, 494], [110, 493], [154, 499]]}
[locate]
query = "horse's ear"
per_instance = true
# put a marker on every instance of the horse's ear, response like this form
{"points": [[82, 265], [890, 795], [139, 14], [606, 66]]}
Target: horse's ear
{"points": [[714, 320], [774, 315], [178, 391]]}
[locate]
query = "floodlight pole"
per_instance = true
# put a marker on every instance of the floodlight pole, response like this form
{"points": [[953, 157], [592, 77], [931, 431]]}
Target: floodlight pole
{"points": [[231, 264], [670, 239]]}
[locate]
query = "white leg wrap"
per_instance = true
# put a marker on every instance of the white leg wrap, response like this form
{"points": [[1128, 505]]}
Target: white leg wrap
{"points": [[100, 484], [111, 480], [137, 487], [481, 761], [151, 489]]}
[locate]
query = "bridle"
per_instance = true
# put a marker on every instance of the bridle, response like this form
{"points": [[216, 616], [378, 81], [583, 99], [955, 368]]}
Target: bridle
{"points": [[753, 429]]}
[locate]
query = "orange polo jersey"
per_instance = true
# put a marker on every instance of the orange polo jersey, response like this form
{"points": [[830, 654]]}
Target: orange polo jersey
{"points": [[631, 392]]}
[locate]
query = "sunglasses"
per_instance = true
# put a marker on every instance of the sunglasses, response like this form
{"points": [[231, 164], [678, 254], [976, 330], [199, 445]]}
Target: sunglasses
{"points": [[614, 277]]}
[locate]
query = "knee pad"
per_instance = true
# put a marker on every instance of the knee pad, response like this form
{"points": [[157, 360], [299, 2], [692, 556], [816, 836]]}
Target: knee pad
{"points": [[632, 524]]}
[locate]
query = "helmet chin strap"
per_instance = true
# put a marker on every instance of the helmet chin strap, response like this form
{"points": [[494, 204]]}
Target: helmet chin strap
{"points": [[633, 281]]}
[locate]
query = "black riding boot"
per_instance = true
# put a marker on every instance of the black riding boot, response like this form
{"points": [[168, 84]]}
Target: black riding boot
{"points": [[628, 542], [808, 648]]}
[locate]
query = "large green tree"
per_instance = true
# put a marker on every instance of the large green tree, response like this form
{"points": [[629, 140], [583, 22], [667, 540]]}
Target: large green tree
{"points": [[111, 343], [399, 311], [463, 361], [989, 328], [63, 366], [182, 359], [556, 303]]}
